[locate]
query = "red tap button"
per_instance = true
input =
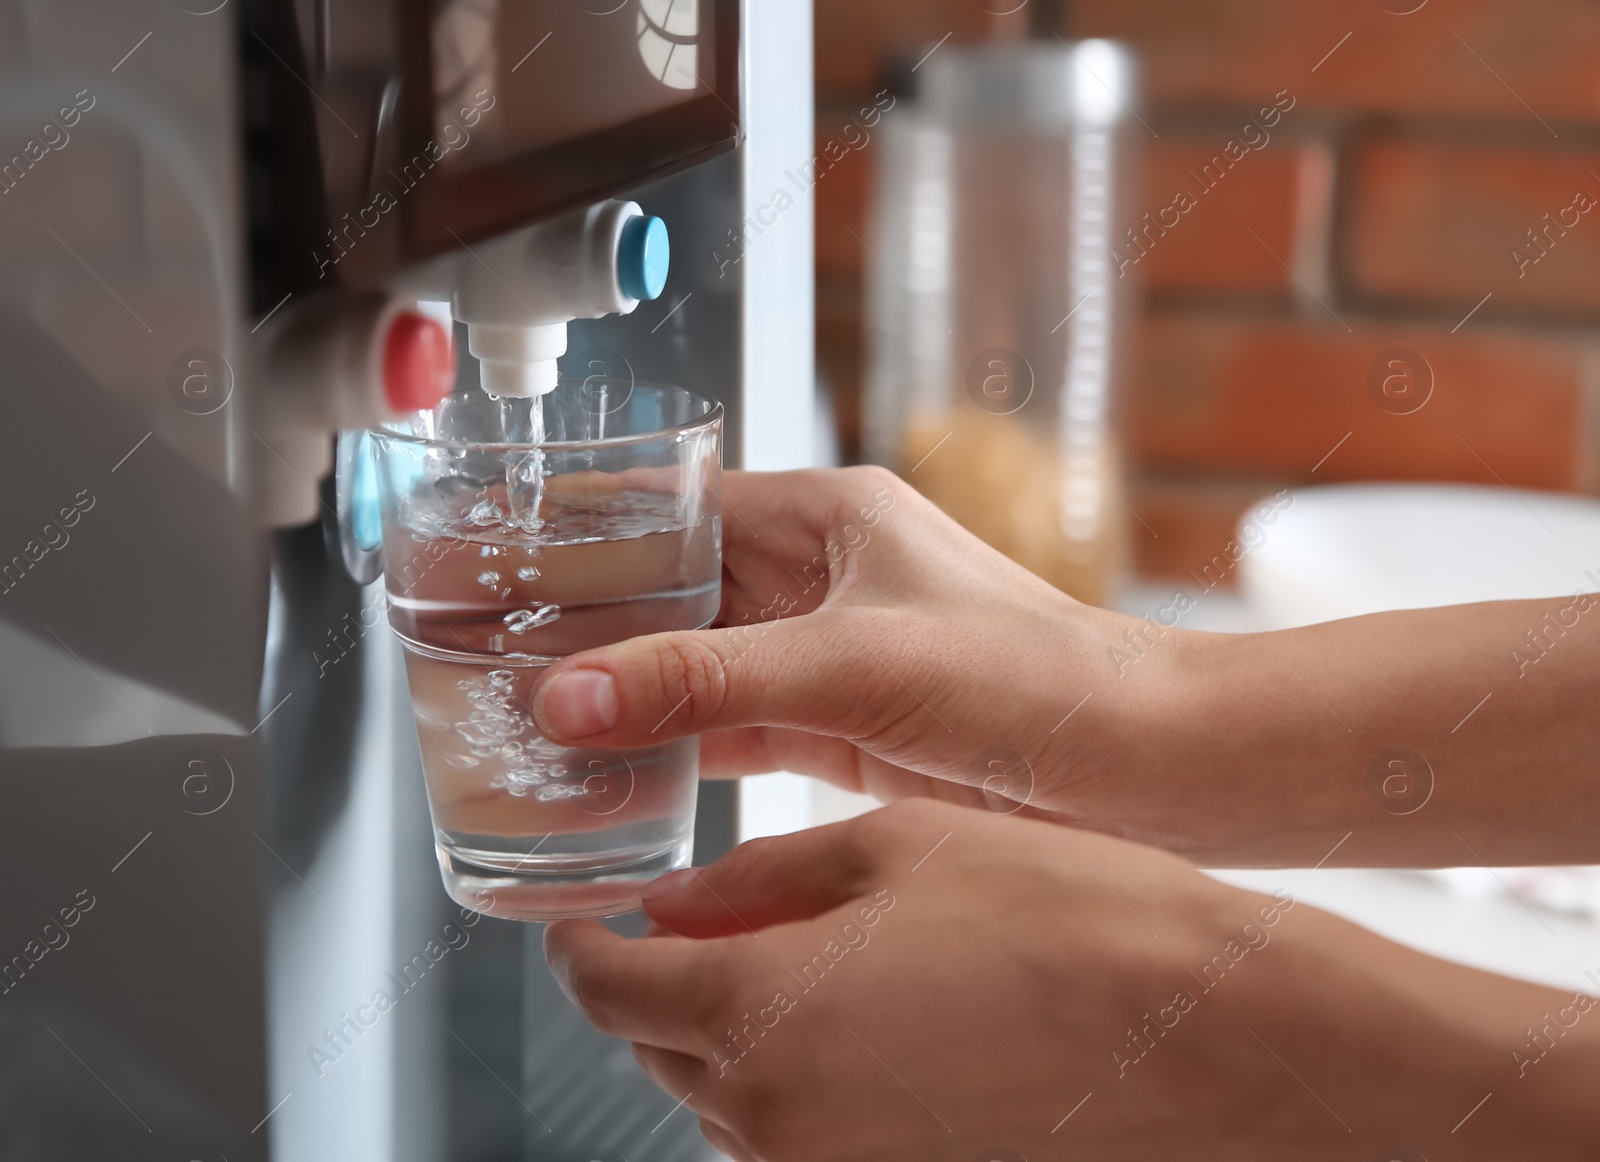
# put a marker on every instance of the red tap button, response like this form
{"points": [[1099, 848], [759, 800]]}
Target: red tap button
{"points": [[419, 363]]}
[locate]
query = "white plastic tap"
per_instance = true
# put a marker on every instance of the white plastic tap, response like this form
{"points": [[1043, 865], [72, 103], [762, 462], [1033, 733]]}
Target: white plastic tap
{"points": [[517, 294]]}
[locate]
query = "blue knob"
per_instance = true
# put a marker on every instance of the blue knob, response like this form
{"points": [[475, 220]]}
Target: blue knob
{"points": [[643, 257], [366, 517]]}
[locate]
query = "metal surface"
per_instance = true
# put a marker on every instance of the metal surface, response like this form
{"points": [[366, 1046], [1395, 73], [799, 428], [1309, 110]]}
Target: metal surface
{"points": [[212, 824], [131, 632]]}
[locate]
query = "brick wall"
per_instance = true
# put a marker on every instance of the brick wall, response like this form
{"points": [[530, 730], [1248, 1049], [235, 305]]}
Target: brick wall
{"points": [[1426, 211]]}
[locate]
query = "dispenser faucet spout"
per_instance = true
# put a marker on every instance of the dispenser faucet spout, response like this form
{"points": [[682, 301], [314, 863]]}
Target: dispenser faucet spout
{"points": [[516, 295]]}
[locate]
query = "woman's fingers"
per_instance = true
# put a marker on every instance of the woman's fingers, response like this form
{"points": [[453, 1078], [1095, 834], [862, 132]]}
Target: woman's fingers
{"points": [[787, 537], [816, 672], [724, 1140], [677, 1074], [651, 990], [689, 1080], [791, 516], [758, 750], [764, 882]]}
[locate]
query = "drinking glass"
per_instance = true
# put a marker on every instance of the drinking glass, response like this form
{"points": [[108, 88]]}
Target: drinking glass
{"points": [[517, 532]]}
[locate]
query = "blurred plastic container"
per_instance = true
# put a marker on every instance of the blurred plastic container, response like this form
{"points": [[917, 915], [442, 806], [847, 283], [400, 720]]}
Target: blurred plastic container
{"points": [[1350, 549], [994, 308]]}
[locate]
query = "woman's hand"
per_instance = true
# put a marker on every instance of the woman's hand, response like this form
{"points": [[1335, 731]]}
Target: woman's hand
{"points": [[932, 984], [868, 640]]}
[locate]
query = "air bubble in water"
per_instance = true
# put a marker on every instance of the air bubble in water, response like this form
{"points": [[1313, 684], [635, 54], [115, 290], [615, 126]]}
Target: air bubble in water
{"points": [[522, 620], [560, 791], [488, 578], [527, 573], [501, 677]]}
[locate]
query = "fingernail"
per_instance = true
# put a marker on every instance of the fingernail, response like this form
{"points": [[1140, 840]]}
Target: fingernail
{"points": [[669, 885], [579, 703]]}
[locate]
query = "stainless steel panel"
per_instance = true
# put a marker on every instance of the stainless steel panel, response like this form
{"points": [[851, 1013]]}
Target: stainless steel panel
{"points": [[132, 597]]}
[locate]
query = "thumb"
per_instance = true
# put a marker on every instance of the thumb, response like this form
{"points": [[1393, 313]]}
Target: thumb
{"points": [[774, 880], [811, 672]]}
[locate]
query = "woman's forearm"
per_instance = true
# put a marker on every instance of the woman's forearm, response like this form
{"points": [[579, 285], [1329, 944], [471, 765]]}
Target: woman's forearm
{"points": [[1435, 737]]}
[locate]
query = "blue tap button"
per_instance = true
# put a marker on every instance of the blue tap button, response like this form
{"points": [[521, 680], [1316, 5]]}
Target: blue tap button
{"points": [[643, 257], [365, 512]]}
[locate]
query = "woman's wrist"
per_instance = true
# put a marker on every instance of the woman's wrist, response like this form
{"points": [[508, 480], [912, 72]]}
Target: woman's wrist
{"points": [[1431, 1052], [1192, 745]]}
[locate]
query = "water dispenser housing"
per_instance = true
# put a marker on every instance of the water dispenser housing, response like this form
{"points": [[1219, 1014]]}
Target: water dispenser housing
{"points": [[467, 152], [226, 230]]}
